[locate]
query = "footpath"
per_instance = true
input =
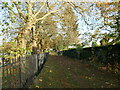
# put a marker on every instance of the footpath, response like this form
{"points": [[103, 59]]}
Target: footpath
{"points": [[64, 72]]}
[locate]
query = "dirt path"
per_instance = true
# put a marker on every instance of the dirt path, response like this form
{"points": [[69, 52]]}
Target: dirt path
{"points": [[64, 72]]}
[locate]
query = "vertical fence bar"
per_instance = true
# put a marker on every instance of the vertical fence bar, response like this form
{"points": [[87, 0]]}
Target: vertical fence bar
{"points": [[20, 69], [13, 74], [10, 77], [1, 73], [19, 59], [3, 69], [14, 71], [36, 63]]}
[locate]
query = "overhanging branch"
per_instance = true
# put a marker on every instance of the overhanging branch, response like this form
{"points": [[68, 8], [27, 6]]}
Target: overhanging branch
{"points": [[13, 12], [19, 10], [48, 14], [74, 6], [40, 9]]}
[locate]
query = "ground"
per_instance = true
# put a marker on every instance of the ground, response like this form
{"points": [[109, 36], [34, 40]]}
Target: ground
{"points": [[64, 72]]}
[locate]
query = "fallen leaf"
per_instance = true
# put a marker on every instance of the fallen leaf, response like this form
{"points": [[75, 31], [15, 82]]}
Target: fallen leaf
{"points": [[50, 71], [37, 86], [68, 68], [107, 82], [40, 80]]}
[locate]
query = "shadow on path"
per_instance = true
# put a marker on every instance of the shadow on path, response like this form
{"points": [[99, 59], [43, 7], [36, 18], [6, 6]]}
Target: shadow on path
{"points": [[64, 72]]}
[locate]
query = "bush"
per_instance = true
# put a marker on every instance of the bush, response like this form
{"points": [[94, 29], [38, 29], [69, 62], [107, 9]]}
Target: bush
{"points": [[104, 54]]}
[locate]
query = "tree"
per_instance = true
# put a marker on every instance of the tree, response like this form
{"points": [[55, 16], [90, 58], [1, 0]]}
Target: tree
{"points": [[69, 26], [29, 16], [111, 13], [46, 31]]}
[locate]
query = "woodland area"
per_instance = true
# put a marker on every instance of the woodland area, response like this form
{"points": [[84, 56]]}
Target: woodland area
{"points": [[81, 33], [37, 26]]}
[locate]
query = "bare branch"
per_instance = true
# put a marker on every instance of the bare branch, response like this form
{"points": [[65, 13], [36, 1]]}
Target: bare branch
{"points": [[73, 5], [77, 6], [29, 10], [27, 3], [40, 9], [48, 14], [13, 12], [48, 7], [19, 10]]}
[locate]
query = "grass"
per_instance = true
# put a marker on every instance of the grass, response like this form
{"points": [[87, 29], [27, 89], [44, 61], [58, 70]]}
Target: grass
{"points": [[64, 72]]}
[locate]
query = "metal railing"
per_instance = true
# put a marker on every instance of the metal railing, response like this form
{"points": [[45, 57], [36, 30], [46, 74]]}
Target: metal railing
{"points": [[20, 72]]}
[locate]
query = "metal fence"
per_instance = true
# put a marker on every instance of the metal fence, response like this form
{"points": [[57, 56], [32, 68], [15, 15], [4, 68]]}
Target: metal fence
{"points": [[20, 72]]}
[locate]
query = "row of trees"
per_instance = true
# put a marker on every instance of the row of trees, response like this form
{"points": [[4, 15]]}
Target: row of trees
{"points": [[103, 20], [39, 25], [36, 25], [110, 12]]}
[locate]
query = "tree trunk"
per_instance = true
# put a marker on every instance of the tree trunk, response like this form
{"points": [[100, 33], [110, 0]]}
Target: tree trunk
{"points": [[42, 46], [34, 40], [34, 47]]}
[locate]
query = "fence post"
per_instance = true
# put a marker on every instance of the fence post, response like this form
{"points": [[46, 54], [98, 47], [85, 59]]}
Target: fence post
{"points": [[3, 64], [1, 71], [36, 60], [20, 72]]}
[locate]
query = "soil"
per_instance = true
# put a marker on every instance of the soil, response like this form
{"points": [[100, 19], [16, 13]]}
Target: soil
{"points": [[64, 72]]}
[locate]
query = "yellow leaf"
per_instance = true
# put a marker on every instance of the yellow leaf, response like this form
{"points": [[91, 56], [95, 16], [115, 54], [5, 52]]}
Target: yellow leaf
{"points": [[37, 86], [40, 80], [50, 71]]}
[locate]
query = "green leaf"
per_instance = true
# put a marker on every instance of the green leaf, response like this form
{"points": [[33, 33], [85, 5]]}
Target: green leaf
{"points": [[12, 21], [6, 3], [12, 5], [7, 23], [3, 2], [19, 3], [1, 55], [2, 7]]}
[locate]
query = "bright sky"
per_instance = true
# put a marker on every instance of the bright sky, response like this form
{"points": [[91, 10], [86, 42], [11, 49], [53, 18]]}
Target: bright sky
{"points": [[82, 26], [0, 29]]}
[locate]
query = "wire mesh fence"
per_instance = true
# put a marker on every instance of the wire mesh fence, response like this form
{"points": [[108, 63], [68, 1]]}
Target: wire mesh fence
{"points": [[20, 72]]}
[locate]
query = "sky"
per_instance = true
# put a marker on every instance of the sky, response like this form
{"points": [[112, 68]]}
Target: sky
{"points": [[0, 30], [70, 0], [82, 26]]}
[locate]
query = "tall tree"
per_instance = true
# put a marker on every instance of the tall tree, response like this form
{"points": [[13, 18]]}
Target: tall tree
{"points": [[46, 31], [110, 11], [28, 14], [69, 26]]}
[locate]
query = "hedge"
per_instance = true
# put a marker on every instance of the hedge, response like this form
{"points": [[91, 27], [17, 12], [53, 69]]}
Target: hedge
{"points": [[103, 54]]}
